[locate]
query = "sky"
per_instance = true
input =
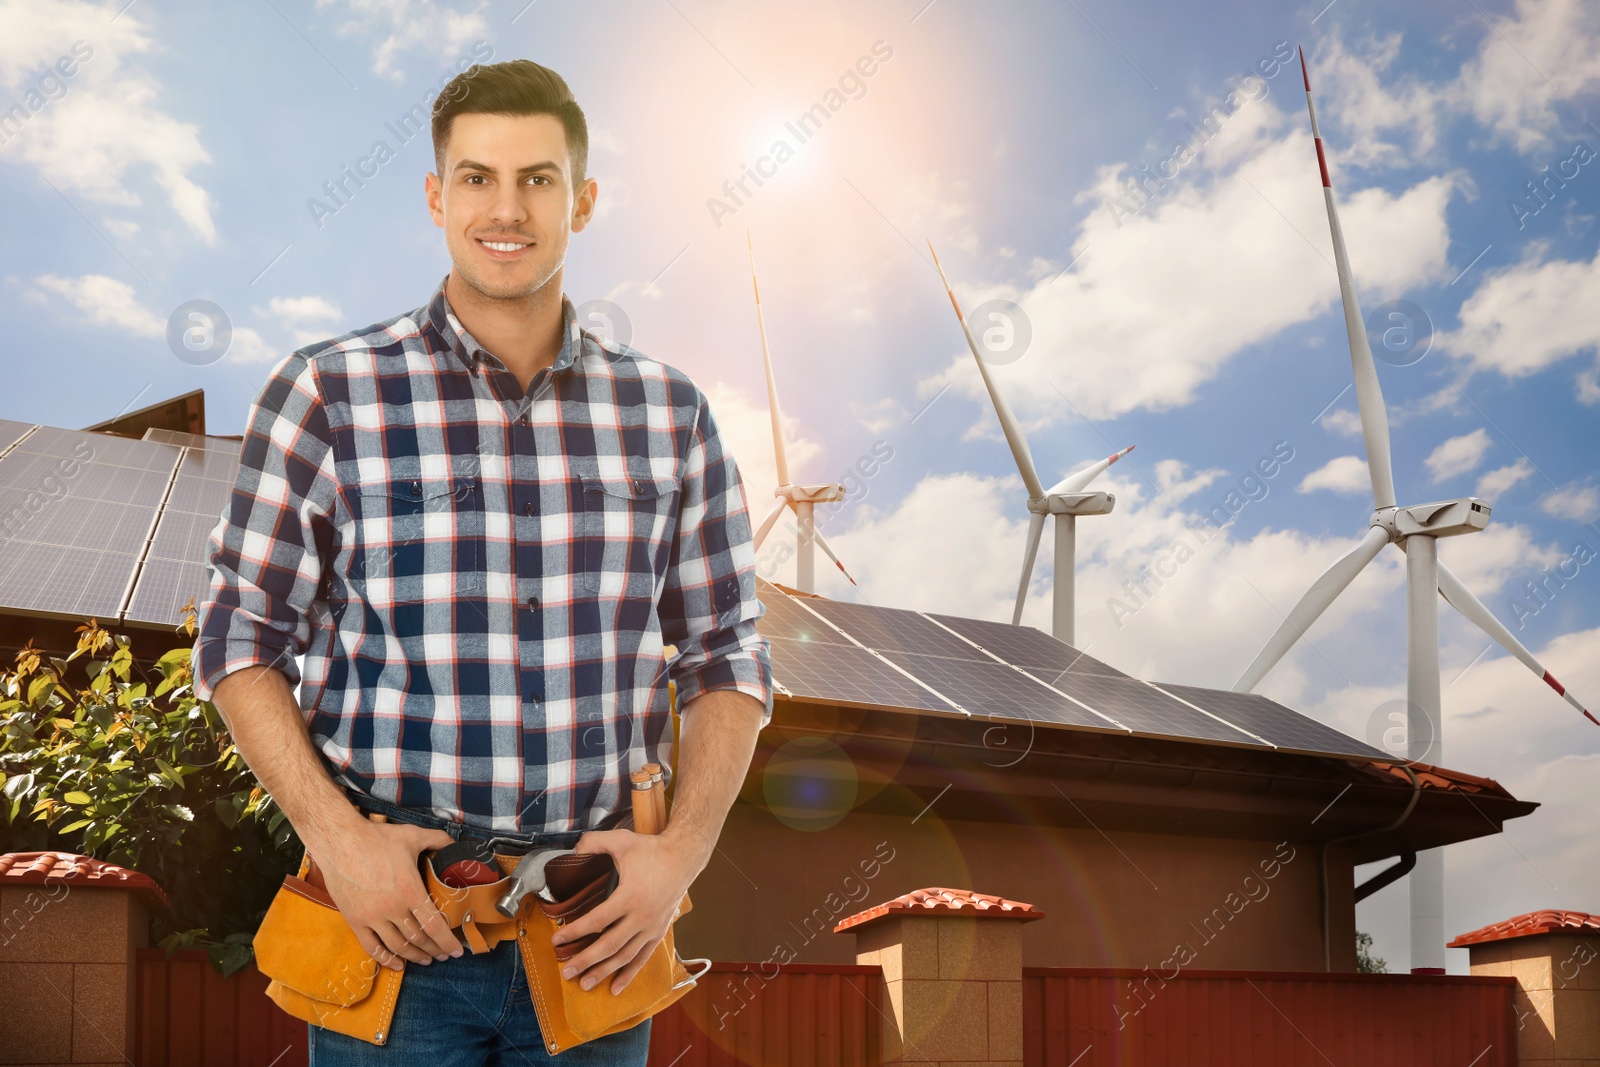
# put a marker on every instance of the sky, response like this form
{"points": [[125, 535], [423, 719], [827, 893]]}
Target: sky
{"points": [[164, 153]]}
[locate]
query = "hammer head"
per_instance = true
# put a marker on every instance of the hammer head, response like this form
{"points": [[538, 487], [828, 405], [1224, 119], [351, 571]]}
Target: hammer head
{"points": [[528, 877]]}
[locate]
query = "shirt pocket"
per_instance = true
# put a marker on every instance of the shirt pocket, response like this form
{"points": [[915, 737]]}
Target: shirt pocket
{"points": [[625, 533], [419, 539]]}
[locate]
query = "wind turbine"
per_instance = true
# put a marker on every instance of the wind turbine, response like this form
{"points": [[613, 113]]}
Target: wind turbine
{"points": [[1066, 500], [801, 499], [1416, 530]]}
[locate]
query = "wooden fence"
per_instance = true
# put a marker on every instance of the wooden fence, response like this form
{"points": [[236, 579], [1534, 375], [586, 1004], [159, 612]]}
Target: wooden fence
{"points": [[802, 1016], [1101, 1017]]}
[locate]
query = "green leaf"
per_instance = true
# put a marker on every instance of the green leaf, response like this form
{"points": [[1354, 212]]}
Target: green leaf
{"points": [[79, 825], [229, 958], [16, 787], [79, 798]]}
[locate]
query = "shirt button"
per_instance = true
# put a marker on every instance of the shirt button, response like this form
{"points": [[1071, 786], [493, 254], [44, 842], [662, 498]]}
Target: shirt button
{"points": [[533, 603], [416, 488], [527, 509]]}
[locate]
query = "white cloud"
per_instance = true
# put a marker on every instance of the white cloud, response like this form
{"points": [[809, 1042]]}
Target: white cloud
{"points": [[403, 25], [108, 122], [106, 302], [1501, 479], [1547, 53], [1363, 97], [1528, 316], [248, 346], [1346, 474], [1346, 421], [1458, 455], [309, 319], [1579, 503], [1589, 387], [1235, 250]]}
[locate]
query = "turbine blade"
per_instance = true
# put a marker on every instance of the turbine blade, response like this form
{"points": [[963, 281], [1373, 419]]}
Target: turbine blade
{"points": [[772, 517], [823, 544], [1313, 604], [1460, 598], [1078, 481], [1369, 397], [1035, 528], [1008, 421], [766, 360]]}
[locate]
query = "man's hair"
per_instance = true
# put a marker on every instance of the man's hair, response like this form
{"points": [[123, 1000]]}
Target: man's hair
{"points": [[515, 87]]}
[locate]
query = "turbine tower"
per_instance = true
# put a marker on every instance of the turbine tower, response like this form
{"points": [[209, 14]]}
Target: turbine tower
{"points": [[1416, 530], [1066, 500], [801, 499]]}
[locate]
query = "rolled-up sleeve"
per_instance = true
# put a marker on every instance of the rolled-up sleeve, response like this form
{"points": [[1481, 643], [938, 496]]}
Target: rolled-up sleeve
{"points": [[708, 606], [266, 554]]}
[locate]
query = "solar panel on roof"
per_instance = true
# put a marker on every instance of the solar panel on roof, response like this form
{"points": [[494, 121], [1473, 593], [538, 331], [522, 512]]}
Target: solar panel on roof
{"points": [[11, 432], [174, 569], [994, 670], [893, 629], [77, 508], [995, 690], [1146, 710], [784, 617], [844, 674], [1283, 727], [1027, 647]]}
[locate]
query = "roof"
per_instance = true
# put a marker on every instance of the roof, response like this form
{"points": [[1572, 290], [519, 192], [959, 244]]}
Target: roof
{"points": [[937, 901], [65, 868], [1549, 921]]}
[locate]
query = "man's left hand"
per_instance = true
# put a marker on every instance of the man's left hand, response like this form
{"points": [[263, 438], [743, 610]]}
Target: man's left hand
{"points": [[653, 873]]}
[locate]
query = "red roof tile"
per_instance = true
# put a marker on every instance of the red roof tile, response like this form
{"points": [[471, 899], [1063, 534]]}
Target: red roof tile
{"points": [[945, 902], [64, 868], [1535, 922]]}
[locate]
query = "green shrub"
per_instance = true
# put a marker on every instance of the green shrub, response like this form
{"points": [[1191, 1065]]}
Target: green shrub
{"points": [[97, 761]]}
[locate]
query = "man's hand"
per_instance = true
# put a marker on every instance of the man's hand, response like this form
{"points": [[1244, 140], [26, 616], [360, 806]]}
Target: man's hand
{"points": [[371, 873], [653, 874]]}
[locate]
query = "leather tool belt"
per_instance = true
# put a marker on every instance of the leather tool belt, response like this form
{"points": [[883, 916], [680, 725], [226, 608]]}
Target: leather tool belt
{"points": [[319, 972]]}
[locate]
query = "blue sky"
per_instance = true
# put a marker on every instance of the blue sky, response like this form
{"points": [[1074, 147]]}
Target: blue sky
{"points": [[179, 161]]}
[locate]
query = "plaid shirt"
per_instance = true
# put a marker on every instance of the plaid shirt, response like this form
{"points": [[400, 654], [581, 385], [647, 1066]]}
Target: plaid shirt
{"points": [[482, 581]]}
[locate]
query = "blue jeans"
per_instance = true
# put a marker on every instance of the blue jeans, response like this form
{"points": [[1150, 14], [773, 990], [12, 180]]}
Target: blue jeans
{"points": [[475, 1008]]}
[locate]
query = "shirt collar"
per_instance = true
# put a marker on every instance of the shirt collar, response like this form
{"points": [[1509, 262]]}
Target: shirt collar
{"points": [[466, 347]]}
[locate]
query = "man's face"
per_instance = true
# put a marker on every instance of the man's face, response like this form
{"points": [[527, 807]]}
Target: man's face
{"points": [[506, 202]]}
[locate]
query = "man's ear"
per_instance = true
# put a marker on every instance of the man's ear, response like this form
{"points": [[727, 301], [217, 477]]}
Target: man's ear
{"points": [[434, 191], [583, 204]]}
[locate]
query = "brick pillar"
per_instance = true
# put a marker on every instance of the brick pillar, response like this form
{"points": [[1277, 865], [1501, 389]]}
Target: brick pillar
{"points": [[70, 928], [952, 967], [1555, 958]]}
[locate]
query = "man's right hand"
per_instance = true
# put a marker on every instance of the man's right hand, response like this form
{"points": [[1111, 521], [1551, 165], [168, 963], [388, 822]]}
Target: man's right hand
{"points": [[370, 870]]}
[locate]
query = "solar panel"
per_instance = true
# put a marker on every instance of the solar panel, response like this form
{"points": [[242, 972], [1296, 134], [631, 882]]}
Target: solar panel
{"points": [[174, 569], [11, 432], [995, 690], [1027, 647], [1146, 710], [894, 630], [76, 509], [786, 618], [844, 674], [1283, 727]]}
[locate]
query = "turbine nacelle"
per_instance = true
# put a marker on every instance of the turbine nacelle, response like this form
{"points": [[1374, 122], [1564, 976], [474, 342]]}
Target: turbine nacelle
{"points": [[1442, 518], [811, 494], [1073, 504]]}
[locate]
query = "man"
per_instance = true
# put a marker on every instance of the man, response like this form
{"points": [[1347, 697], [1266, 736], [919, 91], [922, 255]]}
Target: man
{"points": [[480, 526]]}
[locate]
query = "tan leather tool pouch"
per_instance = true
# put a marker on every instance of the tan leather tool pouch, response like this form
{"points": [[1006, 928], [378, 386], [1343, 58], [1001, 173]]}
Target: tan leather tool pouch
{"points": [[317, 970], [568, 1014]]}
